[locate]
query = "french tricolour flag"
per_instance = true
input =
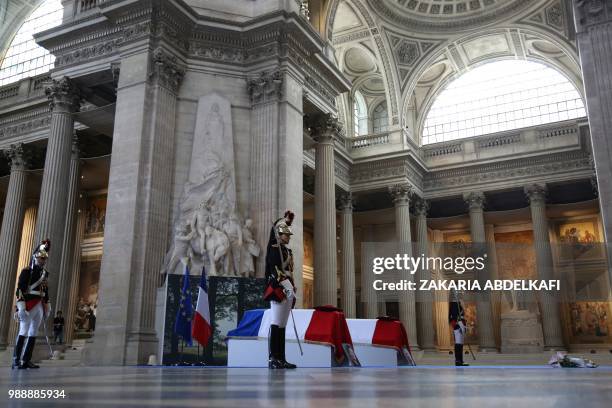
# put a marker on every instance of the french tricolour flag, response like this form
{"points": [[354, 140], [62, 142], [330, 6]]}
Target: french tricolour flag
{"points": [[201, 330]]}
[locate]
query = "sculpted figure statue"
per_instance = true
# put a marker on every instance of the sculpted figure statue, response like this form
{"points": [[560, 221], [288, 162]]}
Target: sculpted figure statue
{"points": [[217, 246], [248, 250], [233, 230], [182, 245]]}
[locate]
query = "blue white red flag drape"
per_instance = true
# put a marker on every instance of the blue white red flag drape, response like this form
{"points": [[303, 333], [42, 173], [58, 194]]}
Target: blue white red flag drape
{"points": [[202, 329]]}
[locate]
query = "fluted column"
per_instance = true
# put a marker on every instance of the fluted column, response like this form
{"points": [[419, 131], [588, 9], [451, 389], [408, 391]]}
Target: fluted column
{"points": [[424, 306], [347, 288], [494, 274], [75, 265], [551, 323], [407, 306], [486, 335], [323, 129], [276, 146], [64, 101], [137, 225], [368, 294], [593, 21], [10, 235], [66, 268]]}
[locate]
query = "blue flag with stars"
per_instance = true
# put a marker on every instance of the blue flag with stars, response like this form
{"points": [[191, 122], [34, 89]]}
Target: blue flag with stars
{"points": [[184, 315]]}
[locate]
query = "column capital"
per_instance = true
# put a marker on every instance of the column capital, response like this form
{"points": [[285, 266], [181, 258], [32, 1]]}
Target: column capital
{"points": [[63, 95], [590, 12], [267, 87], [475, 200], [166, 70], [323, 127], [536, 193], [421, 207], [18, 156], [346, 202], [400, 193]]}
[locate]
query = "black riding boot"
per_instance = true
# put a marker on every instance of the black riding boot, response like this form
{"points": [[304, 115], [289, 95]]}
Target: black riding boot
{"points": [[27, 354], [459, 356], [282, 350], [18, 351], [273, 358]]}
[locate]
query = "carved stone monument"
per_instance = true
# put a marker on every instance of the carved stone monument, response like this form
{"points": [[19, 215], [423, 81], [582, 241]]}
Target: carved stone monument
{"points": [[209, 230]]}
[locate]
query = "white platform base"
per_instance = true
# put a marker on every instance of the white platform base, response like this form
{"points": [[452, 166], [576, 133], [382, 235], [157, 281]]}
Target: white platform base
{"points": [[254, 353], [370, 356]]}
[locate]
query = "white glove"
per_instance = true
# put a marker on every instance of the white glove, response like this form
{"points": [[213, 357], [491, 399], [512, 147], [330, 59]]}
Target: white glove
{"points": [[462, 327], [22, 313], [288, 288]]}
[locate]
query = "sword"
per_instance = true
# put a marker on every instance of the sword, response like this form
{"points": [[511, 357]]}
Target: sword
{"points": [[47, 337], [296, 333], [471, 352]]}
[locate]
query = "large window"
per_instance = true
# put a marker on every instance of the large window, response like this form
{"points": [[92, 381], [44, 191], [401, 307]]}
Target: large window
{"points": [[380, 118], [501, 96], [24, 58], [360, 115]]}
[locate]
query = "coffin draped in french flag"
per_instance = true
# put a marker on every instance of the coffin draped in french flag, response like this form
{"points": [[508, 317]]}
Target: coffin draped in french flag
{"points": [[368, 342], [324, 325]]}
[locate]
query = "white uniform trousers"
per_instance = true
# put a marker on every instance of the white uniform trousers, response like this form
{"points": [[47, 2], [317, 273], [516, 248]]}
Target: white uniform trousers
{"points": [[280, 312], [459, 333], [29, 326]]}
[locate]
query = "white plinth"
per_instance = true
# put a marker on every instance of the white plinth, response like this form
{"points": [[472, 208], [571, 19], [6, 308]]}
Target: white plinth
{"points": [[254, 353], [371, 356]]}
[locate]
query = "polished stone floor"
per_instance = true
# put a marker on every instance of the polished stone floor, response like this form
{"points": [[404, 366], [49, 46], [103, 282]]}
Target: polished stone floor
{"points": [[423, 386]]}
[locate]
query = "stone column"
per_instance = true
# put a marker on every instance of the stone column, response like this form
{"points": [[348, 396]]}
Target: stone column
{"points": [[486, 336], [443, 332], [75, 271], [494, 274], [66, 268], [347, 287], [368, 294], [323, 129], [593, 20], [64, 100], [407, 306], [276, 148], [10, 235], [424, 306], [137, 224], [551, 323]]}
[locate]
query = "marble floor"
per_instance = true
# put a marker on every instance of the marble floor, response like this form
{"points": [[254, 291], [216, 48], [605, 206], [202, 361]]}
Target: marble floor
{"points": [[424, 386]]}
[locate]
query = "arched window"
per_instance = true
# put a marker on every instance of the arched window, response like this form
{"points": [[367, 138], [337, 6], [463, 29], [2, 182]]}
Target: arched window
{"points": [[24, 58], [360, 115], [499, 96], [380, 119]]}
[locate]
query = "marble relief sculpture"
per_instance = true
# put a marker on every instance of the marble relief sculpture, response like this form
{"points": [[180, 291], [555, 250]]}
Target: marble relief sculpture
{"points": [[209, 229]]}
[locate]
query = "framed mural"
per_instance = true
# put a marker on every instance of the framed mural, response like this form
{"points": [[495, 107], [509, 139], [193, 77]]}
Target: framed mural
{"points": [[95, 215], [515, 255], [580, 239], [590, 322]]}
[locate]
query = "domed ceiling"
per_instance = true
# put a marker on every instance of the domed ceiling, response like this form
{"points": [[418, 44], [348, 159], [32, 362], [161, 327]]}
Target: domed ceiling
{"points": [[447, 14]]}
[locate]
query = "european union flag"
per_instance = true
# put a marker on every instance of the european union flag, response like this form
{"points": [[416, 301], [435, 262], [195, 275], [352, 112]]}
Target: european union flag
{"points": [[184, 315]]}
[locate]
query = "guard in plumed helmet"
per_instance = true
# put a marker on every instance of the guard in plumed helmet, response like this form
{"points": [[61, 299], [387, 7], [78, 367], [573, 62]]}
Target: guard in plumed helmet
{"points": [[456, 318], [32, 305], [280, 291]]}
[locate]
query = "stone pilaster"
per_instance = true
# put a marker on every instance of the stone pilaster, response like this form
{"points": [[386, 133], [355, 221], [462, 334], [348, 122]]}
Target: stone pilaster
{"points": [[64, 101], [443, 333], [276, 147], [407, 305], [486, 335], [551, 323], [138, 213], [494, 274], [66, 268], [593, 21], [10, 235], [424, 306], [323, 128], [347, 281]]}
